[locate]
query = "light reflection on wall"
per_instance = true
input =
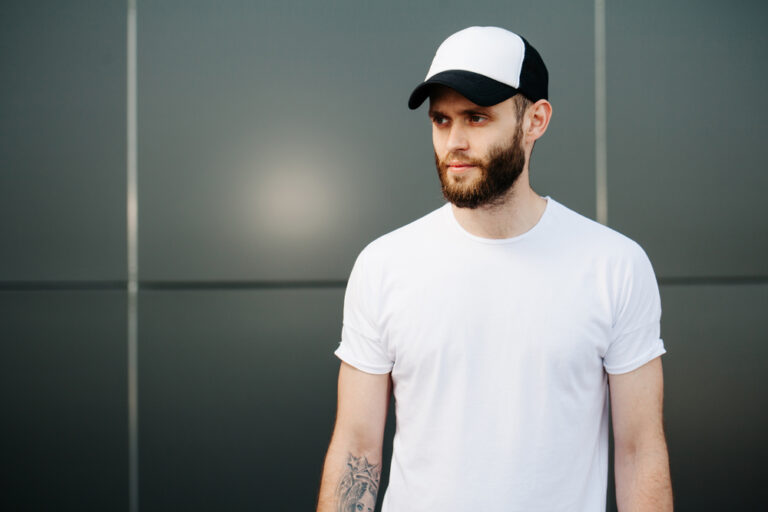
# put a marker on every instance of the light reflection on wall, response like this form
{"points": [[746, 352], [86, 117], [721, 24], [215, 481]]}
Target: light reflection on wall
{"points": [[294, 194]]}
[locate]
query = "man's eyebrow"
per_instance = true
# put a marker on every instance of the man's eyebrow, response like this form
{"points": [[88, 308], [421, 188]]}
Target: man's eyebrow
{"points": [[475, 112], [435, 113]]}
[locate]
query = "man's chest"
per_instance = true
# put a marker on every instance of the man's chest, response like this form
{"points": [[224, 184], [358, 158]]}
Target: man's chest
{"points": [[497, 315]]}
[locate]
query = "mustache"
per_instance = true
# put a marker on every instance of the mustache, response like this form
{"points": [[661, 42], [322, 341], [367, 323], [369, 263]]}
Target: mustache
{"points": [[458, 158]]}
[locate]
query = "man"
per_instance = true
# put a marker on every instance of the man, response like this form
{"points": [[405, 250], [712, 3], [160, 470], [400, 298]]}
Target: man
{"points": [[499, 320]]}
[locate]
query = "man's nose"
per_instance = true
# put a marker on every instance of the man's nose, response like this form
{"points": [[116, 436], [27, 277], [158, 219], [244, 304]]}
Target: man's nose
{"points": [[457, 139]]}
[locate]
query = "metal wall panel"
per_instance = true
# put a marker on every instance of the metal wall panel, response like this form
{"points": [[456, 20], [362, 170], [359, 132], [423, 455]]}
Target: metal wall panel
{"points": [[62, 140], [274, 137], [716, 388], [687, 118], [63, 396], [237, 397]]}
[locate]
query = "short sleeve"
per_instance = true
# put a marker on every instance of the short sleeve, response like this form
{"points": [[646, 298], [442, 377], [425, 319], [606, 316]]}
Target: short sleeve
{"points": [[361, 344], [635, 333]]}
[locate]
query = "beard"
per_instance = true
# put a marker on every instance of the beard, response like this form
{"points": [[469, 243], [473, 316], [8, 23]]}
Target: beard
{"points": [[498, 172]]}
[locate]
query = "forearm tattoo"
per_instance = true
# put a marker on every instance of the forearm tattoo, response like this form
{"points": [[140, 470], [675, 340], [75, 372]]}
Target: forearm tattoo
{"points": [[358, 486]]}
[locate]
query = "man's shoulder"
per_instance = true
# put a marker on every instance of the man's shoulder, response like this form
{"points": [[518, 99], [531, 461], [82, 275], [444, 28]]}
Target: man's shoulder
{"points": [[408, 236], [594, 237]]}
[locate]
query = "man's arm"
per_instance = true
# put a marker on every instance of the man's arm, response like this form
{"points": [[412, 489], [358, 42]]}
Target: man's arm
{"points": [[353, 464], [642, 463]]}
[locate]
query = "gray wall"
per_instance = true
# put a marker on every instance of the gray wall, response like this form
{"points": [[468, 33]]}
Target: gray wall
{"points": [[273, 144]]}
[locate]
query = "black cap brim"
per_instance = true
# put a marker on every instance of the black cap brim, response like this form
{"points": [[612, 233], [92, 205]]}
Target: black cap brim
{"points": [[475, 87]]}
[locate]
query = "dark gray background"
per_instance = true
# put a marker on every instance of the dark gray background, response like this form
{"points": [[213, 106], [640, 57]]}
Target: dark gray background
{"points": [[274, 143]]}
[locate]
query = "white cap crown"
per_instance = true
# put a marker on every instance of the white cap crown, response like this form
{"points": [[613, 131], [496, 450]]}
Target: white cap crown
{"points": [[482, 50]]}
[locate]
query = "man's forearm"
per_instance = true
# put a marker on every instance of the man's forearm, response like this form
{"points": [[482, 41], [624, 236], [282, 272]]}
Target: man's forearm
{"points": [[642, 480], [350, 479]]}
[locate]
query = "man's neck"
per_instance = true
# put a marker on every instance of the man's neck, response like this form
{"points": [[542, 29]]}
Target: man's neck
{"points": [[519, 212]]}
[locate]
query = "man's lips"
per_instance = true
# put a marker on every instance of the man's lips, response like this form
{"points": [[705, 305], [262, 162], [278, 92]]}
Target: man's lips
{"points": [[459, 166]]}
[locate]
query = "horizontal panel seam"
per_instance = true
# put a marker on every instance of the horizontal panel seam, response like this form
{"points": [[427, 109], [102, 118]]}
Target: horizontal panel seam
{"points": [[171, 285]]}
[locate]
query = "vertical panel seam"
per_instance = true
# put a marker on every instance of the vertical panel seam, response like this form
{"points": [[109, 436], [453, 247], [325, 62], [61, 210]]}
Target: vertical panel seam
{"points": [[133, 261], [601, 121]]}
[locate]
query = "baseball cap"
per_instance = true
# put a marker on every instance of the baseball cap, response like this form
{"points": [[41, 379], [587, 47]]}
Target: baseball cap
{"points": [[486, 65]]}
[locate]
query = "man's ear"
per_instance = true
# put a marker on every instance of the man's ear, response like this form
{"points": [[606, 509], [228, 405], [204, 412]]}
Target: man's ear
{"points": [[538, 115]]}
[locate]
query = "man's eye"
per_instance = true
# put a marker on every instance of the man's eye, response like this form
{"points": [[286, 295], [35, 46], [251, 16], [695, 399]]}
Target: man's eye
{"points": [[476, 119], [438, 120]]}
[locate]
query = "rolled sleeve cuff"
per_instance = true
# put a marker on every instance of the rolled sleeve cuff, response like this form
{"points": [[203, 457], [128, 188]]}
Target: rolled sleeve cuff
{"points": [[362, 352], [655, 349]]}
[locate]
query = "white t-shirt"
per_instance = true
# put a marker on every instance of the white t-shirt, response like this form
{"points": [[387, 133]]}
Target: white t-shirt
{"points": [[499, 350]]}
